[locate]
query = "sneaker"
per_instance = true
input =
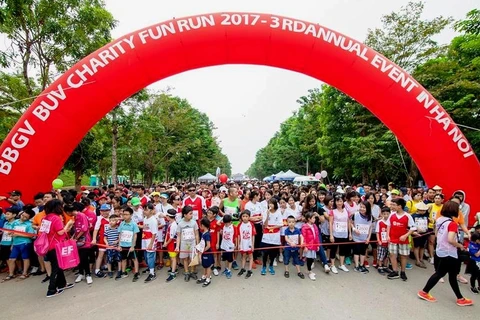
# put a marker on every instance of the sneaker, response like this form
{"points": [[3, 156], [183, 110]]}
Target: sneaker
{"points": [[46, 279], [249, 274], [136, 276], [215, 272], [334, 269], [193, 275], [312, 276], [441, 280], [426, 296], [393, 275], [187, 277], [462, 279], [464, 302], [235, 265], [150, 278], [242, 271], [301, 275], [38, 273], [146, 271], [264, 271], [313, 265], [343, 268], [119, 275], [224, 272], [124, 275], [58, 292], [382, 271], [128, 269], [374, 264], [271, 270], [201, 280], [100, 274], [67, 286], [474, 290], [327, 268], [280, 258], [421, 265], [89, 279], [171, 277], [363, 270], [274, 262], [229, 274], [110, 274], [287, 274], [403, 275], [409, 266], [430, 260], [357, 269], [366, 265], [348, 261], [206, 283], [79, 278]]}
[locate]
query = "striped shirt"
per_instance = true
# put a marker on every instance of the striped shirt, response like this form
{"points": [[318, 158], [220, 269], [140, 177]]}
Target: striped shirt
{"points": [[112, 235]]}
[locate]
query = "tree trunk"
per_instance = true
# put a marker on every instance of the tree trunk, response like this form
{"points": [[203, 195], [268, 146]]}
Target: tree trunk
{"points": [[413, 174], [114, 147], [78, 176]]}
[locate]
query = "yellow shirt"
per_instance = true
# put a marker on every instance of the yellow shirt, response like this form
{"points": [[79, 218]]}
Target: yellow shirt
{"points": [[434, 213], [411, 206]]}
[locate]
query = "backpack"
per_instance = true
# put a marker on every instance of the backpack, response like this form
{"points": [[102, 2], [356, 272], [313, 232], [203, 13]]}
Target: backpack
{"points": [[41, 244]]}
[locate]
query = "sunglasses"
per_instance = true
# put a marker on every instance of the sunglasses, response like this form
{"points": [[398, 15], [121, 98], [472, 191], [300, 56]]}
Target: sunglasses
{"points": [[192, 190]]}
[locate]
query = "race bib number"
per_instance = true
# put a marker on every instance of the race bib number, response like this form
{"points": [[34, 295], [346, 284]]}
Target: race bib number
{"points": [[188, 234], [6, 237], [195, 214], [126, 236], [383, 235], [421, 225], [20, 228], [340, 227], [434, 215], [293, 238], [45, 226], [363, 228], [201, 246], [230, 210]]}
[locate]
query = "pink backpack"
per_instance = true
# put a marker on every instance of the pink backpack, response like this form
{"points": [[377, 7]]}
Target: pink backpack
{"points": [[41, 244]]}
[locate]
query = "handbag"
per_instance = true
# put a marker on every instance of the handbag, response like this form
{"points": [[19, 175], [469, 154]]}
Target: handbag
{"points": [[67, 254]]}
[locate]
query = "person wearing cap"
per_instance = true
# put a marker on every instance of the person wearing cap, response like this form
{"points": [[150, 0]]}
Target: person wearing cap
{"points": [[420, 217], [14, 199], [437, 189], [99, 231], [101, 200]]}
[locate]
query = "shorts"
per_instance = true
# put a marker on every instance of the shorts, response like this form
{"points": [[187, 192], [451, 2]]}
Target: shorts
{"points": [[207, 260], [5, 252], [113, 256], [294, 254], [399, 249], [373, 240], [382, 253], [227, 256], [21, 250], [172, 254], [359, 248], [325, 239], [419, 242], [126, 255]]}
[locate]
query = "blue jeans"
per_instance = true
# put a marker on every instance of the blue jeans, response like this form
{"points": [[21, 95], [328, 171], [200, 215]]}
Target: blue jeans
{"points": [[150, 258], [321, 253]]}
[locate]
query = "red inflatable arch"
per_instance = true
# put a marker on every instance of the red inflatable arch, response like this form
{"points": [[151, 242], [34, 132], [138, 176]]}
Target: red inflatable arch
{"points": [[37, 147]]}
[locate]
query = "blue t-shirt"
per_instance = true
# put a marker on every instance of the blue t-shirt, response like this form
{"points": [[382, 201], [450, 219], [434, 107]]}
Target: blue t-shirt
{"points": [[126, 232], [23, 226], [293, 236], [2, 220], [6, 238], [207, 238]]}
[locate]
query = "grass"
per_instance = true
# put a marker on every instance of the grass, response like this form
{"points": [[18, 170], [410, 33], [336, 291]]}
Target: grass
{"points": [[68, 178]]}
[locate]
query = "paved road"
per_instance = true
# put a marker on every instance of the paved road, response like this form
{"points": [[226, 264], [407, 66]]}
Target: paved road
{"points": [[343, 296]]}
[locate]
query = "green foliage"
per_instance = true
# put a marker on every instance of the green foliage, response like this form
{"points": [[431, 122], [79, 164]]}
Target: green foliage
{"points": [[68, 178]]}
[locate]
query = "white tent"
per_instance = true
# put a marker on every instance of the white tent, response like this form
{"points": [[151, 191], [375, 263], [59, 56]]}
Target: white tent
{"points": [[288, 176], [207, 178]]}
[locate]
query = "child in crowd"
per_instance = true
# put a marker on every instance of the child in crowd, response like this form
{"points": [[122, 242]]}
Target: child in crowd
{"points": [[206, 253], [128, 231], [113, 254], [21, 245], [361, 232], [400, 226], [214, 229], [382, 240], [293, 242], [311, 237], [473, 266], [187, 239], [7, 240], [101, 225], [169, 243], [420, 217], [149, 237], [246, 242], [228, 234]]}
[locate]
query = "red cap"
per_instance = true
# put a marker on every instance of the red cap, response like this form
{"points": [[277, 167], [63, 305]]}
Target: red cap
{"points": [[102, 197], [83, 188]]}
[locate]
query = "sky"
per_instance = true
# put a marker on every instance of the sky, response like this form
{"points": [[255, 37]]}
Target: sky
{"points": [[254, 99]]}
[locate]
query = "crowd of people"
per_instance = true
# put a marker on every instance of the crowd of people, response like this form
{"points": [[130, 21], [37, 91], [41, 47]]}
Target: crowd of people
{"points": [[132, 230]]}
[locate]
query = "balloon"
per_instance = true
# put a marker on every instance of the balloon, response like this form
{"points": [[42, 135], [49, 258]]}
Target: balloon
{"points": [[317, 175], [143, 57], [323, 174], [57, 184], [223, 178]]}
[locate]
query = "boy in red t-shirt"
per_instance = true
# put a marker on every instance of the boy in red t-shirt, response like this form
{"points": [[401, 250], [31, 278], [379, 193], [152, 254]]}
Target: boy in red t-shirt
{"points": [[170, 243], [382, 236], [400, 226], [214, 235]]}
